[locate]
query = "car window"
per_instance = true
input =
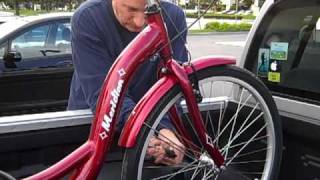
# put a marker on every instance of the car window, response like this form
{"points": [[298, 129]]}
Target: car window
{"points": [[287, 55], [31, 43], [2, 50], [63, 38]]}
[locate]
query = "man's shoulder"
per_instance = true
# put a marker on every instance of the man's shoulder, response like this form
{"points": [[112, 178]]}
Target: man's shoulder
{"points": [[91, 7], [171, 6], [173, 10], [89, 4]]}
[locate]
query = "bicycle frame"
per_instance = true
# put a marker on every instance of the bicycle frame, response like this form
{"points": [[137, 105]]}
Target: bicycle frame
{"points": [[86, 161]]}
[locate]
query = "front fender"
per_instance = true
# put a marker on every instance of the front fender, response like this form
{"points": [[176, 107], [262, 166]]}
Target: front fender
{"points": [[208, 61], [140, 113], [149, 100]]}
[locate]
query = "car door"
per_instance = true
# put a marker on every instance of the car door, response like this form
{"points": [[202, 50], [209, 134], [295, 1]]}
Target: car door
{"points": [[285, 56], [284, 52], [59, 41], [37, 48], [30, 43], [40, 80], [3, 48]]}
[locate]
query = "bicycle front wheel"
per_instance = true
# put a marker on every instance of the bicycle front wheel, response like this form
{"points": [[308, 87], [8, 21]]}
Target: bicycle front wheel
{"points": [[241, 119]]}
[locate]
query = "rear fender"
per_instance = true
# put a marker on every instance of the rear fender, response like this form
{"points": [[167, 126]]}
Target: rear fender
{"points": [[149, 100]]}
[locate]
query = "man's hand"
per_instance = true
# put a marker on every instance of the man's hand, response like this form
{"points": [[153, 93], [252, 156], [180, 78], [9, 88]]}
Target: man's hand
{"points": [[166, 148]]}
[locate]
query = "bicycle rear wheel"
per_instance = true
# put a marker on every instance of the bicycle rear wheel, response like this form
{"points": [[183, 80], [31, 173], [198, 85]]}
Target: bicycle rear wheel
{"points": [[6, 176], [240, 117]]}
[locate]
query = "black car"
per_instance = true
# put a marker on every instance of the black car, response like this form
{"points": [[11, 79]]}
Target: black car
{"points": [[35, 64]]}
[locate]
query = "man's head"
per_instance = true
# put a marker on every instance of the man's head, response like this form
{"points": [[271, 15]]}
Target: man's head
{"points": [[130, 13]]}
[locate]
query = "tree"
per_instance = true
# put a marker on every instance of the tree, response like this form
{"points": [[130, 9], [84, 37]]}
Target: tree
{"points": [[17, 7], [47, 5], [247, 3]]}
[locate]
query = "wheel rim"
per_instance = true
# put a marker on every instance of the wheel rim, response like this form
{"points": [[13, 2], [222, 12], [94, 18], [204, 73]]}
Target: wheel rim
{"points": [[242, 95]]}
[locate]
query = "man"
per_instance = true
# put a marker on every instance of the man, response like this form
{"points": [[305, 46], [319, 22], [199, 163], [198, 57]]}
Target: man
{"points": [[101, 29]]}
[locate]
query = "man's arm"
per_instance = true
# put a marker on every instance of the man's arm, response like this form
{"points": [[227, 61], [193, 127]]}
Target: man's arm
{"points": [[92, 61]]}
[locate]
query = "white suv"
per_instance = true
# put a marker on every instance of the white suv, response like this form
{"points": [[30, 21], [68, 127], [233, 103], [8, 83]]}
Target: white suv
{"points": [[283, 50]]}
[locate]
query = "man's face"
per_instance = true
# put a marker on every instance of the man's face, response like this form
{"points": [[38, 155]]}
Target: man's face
{"points": [[130, 13]]}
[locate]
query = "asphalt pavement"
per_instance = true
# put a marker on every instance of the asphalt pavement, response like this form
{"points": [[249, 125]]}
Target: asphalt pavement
{"points": [[224, 43]]}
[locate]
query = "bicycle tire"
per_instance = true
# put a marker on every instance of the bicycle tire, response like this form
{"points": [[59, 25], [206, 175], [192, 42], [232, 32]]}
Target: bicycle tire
{"points": [[6, 176], [134, 158]]}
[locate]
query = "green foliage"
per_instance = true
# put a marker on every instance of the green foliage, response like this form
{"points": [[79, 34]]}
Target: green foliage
{"points": [[221, 16], [25, 7], [226, 27], [247, 3], [204, 4], [249, 16], [27, 12]]}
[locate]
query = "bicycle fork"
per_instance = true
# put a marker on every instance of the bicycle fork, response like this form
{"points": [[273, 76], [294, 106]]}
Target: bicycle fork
{"points": [[194, 112]]}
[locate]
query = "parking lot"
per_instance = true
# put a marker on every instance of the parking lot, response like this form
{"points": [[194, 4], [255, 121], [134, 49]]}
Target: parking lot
{"points": [[284, 56]]}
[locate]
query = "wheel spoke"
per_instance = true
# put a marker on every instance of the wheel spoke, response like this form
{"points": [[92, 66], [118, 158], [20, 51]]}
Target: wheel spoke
{"points": [[246, 172], [201, 88], [212, 127], [182, 165], [238, 135], [176, 173], [246, 120], [212, 175], [195, 173], [246, 162], [233, 171], [208, 174], [234, 122], [236, 114], [173, 144], [221, 116], [251, 152], [194, 131], [251, 173], [197, 150], [229, 122], [236, 154], [208, 112], [239, 144]]}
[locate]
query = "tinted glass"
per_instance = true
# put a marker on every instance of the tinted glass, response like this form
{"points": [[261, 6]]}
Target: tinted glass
{"points": [[30, 43], [286, 51], [1, 52], [63, 38]]}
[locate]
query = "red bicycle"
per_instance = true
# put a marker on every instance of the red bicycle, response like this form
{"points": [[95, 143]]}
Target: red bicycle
{"points": [[224, 116]]}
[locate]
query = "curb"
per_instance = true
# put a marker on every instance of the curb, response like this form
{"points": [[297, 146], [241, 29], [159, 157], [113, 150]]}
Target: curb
{"points": [[215, 33]]}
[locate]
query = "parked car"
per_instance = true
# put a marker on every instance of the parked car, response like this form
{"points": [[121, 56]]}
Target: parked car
{"points": [[4, 19], [283, 50], [5, 13], [35, 63], [6, 16]]}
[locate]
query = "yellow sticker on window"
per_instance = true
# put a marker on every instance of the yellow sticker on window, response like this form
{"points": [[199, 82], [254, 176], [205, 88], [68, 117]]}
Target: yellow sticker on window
{"points": [[274, 76]]}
